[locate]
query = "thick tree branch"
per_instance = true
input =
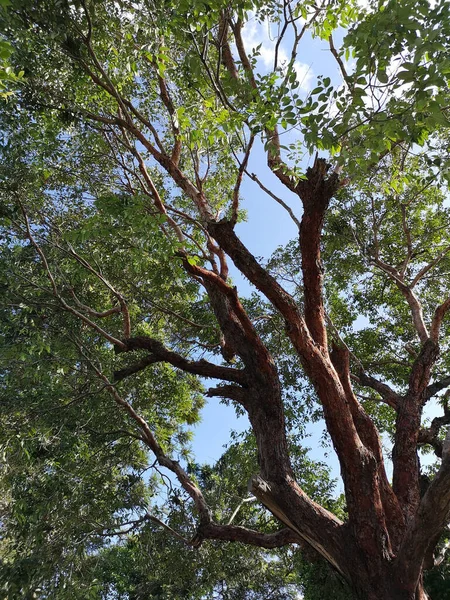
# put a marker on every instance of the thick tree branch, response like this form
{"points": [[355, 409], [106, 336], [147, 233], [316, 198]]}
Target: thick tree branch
{"points": [[134, 368], [436, 387], [315, 192], [337, 414], [421, 369], [312, 523], [159, 353], [430, 435], [233, 392], [235, 533], [432, 515], [388, 395], [387, 512], [406, 468], [439, 315]]}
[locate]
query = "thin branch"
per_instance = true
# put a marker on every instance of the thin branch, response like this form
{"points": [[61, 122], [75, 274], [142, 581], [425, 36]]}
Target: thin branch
{"points": [[340, 62], [411, 298], [118, 295], [168, 528], [242, 170], [55, 292], [92, 312], [273, 140], [281, 202], [409, 253], [428, 267], [173, 466], [153, 192], [239, 506]]}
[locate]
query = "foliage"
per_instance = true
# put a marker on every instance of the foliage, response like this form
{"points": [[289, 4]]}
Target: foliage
{"points": [[123, 153]]}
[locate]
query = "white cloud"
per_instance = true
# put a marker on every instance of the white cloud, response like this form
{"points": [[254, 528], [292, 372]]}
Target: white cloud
{"points": [[304, 75], [255, 33]]}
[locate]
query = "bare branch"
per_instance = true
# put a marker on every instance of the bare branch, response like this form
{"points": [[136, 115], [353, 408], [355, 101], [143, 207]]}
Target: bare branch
{"points": [[388, 395], [239, 506], [168, 528], [273, 140], [242, 169], [340, 62], [436, 387], [276, 198], [409, 247], [411, 298], [430, 435], [118, 295], [428, 267], [234, 533], [152, 191], [233, 392]]}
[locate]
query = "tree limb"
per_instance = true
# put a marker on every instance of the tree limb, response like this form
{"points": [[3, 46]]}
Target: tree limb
{"points": [[235, 533], [388, 395], [159, 353]]}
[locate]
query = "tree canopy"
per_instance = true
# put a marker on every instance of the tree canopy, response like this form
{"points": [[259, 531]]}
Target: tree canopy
{"points": [[131, 134]]}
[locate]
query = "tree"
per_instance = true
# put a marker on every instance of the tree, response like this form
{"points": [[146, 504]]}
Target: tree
{"points": [[123, 157]]}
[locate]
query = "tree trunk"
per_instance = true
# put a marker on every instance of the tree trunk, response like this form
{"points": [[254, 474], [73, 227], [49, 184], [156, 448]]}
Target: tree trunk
{"points": [[386, 589], [381, 580]]}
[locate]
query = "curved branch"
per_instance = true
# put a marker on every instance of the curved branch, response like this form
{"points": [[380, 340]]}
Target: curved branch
{"points": [[55, 292], [439, 315], [436, 387], [386, 392], [159, 353], [235, 533], [411, 298], [430, 435], [174, 466]]}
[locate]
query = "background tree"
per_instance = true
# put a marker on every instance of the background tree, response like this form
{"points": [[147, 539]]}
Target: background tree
{"points": [[122, 165]]}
